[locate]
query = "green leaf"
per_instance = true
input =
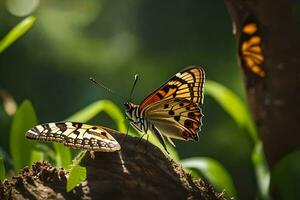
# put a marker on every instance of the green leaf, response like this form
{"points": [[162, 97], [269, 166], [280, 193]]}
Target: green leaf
{"points": [[262, 171], [95, 108], [2, 169], [63, 157], [286, 176], [77, 173], [233, 105], [213, 172], [46, 150], [20, 148], [37, 156], [19, 30], [76, 176]]}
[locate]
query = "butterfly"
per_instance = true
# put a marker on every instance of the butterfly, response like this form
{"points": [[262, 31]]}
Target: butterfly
{"points": [[173, 109], [75, 135], [250, 49]]}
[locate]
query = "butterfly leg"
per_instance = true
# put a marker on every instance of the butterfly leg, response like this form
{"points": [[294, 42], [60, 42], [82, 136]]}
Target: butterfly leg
{"points": [[140, 138], [147, 143], [159, 137], [92, 154], [123, 140]]}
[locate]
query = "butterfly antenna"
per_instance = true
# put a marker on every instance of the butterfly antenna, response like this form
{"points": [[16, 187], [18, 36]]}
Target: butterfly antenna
{"points": [[106, 88], [128, 126], [136, 77]]}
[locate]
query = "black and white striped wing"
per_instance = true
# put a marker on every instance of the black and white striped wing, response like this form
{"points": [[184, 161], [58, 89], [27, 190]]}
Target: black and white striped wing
{"points": [[75, 135]]}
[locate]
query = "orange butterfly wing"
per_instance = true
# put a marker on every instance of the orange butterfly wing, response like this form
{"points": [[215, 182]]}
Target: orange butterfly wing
{"points": [[187, 84], [250, 49]]}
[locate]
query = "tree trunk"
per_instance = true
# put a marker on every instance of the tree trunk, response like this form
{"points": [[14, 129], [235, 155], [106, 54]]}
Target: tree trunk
{"points": [[274, 99], [136, 172]]}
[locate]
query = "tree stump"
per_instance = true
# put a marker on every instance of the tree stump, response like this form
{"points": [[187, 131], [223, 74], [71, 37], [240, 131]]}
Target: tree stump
{"points": [[138, 171]]}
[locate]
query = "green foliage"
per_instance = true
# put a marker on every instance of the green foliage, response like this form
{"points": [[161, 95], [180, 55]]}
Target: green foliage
{"points": [[36, 156], [19, 30], [233, 105], [213, 171], [2, 169], [286, 176], [97, 107], [21, 148], [77, 173], [48, 152], [261, 170], [63, 156]]}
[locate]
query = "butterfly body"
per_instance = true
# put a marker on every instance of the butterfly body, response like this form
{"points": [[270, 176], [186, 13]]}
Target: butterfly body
{"points": [[173, 109]]}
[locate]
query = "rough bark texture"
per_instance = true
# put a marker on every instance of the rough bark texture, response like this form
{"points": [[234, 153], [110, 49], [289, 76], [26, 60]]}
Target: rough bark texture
{"points": [[274, 99], [136, 172]]}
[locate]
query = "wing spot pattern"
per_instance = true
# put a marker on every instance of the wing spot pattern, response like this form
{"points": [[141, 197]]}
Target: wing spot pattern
{"points": [[171, 112], [177, 118]]}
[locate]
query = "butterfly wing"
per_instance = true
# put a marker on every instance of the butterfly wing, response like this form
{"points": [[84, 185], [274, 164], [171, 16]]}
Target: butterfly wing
{"points": [[250, 49], [75, 135], [176, 118], [187, 84]]}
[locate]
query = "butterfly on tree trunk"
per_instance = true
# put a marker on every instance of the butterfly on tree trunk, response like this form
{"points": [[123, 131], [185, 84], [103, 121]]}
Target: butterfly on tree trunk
{"points": [[250, 47], [173, 110]]}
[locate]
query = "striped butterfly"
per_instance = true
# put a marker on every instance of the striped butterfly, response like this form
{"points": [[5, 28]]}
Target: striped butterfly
{"points": [[250, 48], [75, 135], [173, 109]]}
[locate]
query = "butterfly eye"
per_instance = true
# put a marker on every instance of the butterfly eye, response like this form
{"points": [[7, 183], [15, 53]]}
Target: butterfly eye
{"points": [[127, 106]]}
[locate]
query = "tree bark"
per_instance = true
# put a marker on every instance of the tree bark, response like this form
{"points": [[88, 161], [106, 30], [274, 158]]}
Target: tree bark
{"points": [[274, 99], [140, 171]]}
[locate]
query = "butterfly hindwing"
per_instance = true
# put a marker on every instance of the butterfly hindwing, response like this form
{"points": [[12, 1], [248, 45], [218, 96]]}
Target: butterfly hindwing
{"points": [[187, 84], [75, 135], [176, 118], [250, 48]]}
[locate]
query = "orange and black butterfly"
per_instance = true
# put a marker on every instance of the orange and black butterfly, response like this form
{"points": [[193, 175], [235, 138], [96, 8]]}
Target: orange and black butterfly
{"points": [[173, 109], [250, 48]]}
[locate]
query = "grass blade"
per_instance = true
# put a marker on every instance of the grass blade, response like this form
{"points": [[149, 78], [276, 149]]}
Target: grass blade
{"points": [[2, 169], [21, 148], [15, 33], [37, 156], [63, 156], [237, 109], [233, 105], [261, 170], [213, 172], [101, 106]]}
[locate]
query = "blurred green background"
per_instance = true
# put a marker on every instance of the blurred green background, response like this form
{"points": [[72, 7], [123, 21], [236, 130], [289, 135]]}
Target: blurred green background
{"points": [[111, 41]]}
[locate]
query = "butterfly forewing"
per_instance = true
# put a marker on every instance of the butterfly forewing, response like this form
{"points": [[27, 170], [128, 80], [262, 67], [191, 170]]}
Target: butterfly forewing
{"points": [[75, 135], [176, 118], [173, 109], [187, 84], [250, 48]]}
